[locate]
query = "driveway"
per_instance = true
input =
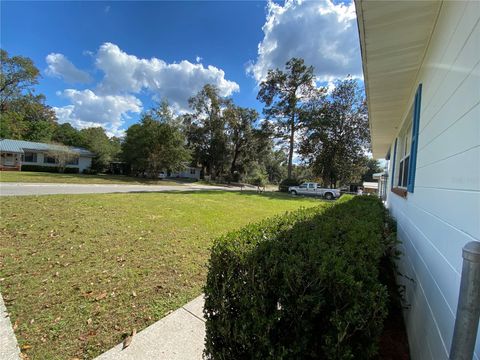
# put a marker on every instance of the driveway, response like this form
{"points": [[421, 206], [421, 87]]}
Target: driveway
{"points": [[21, 189]]}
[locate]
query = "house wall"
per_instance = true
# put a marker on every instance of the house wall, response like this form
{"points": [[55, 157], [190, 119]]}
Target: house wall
{"points": [[443, 213], [83, 162], [187, 174]]}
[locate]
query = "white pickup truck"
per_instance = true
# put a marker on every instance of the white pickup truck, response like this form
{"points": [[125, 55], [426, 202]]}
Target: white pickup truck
{"points": [[313, 189]]}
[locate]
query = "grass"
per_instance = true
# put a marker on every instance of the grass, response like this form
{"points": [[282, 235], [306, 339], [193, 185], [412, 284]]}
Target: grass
{"points": [[78, 272], [44, 177]]}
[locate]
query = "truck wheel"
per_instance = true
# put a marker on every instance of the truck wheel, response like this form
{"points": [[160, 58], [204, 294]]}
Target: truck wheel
{"points": [[293, 192], [328, 196]]}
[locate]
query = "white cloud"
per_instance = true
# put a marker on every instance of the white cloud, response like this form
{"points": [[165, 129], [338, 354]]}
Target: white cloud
{"points": [[89, 109], [114, 98], [177, 82], [59, 66], [322, 33], [198, 59]]}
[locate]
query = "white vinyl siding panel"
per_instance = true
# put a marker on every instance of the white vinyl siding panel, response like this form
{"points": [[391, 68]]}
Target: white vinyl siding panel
{"points": [[84, 163], [436, 221], [466, 128]]}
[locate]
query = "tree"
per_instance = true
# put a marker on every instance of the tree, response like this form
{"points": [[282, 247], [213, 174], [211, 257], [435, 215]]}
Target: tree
{"points": [[67, 135], [62, 155], [155, 144], [23, 115], [96, 140], [17, 78], [241, 134], [284, 95], [337, 136], [275, 166], [206, 133], [372, 167]]}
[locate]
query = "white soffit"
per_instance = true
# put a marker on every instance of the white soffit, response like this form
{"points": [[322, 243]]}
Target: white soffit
{"points": [[394, 36]]}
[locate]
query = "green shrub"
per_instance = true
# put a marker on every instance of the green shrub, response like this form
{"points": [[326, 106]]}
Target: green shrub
{"points": [[286, 183], [89, 171], [299, 286], [49, 169]]}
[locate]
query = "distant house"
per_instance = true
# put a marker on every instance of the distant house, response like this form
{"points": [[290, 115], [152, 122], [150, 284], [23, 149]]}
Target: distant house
{"points": [[421, 65], [17, 153], [370, 187], [189, 172], [382, 186]]}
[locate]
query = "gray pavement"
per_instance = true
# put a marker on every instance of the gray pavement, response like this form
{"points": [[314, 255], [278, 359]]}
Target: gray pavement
{"points": [[22, 189], [178, 336], [8, 342]]}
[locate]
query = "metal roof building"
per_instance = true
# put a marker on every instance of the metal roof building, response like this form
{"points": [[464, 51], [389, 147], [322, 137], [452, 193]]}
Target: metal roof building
{"points": [[18, 147]]}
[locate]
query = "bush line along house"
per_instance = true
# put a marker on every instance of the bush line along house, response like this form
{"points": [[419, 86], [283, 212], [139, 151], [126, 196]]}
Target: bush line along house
{"points": [[34, 155], [421, 63]]}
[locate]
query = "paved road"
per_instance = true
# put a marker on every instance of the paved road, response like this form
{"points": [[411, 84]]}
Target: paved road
{"points": [[21, 189]]}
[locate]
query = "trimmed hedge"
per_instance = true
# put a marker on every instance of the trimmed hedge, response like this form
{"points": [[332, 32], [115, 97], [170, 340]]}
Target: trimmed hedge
{"points": [[299, 286], [49, 169], [286, 183]]}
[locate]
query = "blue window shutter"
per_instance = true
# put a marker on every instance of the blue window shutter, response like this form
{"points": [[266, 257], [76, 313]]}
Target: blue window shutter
{"points": [[394, 160], [413, 150]]}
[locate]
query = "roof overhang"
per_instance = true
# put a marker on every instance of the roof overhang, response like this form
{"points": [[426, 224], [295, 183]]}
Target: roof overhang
{"points": [[394, 37]]}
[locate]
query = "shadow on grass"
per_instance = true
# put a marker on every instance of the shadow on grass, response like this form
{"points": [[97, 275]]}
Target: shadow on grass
{"points": [[247, 193], [119, 179]]}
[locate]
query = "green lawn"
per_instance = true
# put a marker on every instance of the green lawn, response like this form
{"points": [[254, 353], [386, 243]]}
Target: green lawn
{"points": [[77, 272], [43, 177]]}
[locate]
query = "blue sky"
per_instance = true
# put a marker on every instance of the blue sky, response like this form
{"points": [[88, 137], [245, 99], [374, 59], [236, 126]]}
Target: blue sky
{"points": [[103, 63]]}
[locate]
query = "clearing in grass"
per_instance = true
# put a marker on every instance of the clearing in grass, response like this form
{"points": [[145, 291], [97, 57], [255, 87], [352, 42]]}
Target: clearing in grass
{"points": [[80, 271]]}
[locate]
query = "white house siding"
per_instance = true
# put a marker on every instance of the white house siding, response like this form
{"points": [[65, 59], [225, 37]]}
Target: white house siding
{"points": [[187, 174], [443, 213], [84, 163]]}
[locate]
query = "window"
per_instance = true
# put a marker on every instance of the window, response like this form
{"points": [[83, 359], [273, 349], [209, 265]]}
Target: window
{"points": [[73, 161], [49, 160], [303, 186], [311, 186], [192, 171], [392, 176], [30, 157], [414, 142], [405, 149], [404, 152]]}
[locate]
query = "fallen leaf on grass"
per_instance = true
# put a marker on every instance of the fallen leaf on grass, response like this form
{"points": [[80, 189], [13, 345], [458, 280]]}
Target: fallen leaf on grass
{"points": [[89, 321], [134, 294], [129, 338], [26, 347], [101, 296], [15, 325]]}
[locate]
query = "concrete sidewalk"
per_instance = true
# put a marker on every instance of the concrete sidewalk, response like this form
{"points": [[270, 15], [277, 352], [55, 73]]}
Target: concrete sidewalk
{"points": [[8, 342], [178, 336]]}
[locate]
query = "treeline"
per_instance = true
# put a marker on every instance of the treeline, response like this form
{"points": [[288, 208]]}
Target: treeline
{"points": [[25, 116], [226, 141], [305, 131]]}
